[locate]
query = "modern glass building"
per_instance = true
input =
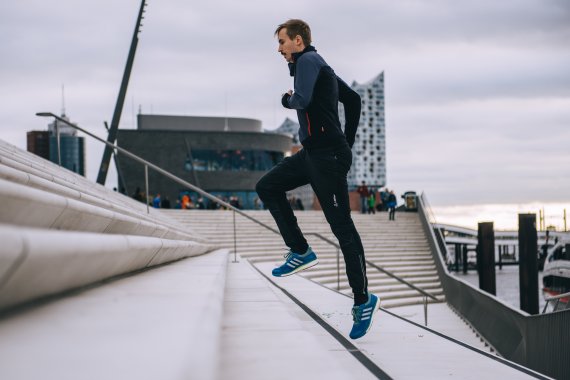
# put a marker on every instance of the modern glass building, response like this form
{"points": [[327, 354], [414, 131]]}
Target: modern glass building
{"points": [[369, 150], [72, 152], [72, 147], [224, 156]]}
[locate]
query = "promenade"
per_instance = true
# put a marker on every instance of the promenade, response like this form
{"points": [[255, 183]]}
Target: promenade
{"points": [[92, 286]]}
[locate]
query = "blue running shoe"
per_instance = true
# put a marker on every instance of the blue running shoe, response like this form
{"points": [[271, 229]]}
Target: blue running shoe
{"points": [[295, 263], [363, 316]]}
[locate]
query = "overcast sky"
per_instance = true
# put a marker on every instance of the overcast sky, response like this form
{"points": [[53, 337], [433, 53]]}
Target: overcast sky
{"points": [[477, 92]]}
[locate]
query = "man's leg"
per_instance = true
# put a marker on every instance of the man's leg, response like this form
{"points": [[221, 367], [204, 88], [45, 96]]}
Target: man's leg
{"points": [[287, 175], [327, 173]]}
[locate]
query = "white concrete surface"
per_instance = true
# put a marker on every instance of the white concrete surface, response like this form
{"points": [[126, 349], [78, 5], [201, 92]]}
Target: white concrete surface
{"points": [[266, 336], [399, 246], [38, 262], [32, 207], [160, 324], [402, 350], [443, 319], [33, 172]]}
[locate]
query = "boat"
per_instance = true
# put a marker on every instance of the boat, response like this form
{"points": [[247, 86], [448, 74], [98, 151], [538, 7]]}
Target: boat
{"points": [[556, 273]]}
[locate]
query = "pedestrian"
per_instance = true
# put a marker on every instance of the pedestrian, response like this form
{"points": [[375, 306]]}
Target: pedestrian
{"points": [[257, 203], [165, 203], [293, 202], [324, 162], [364, 194], [186, 202], [156, 201], [384, 199], [392, 203], [372, 203], [299, 204], [379, 204], [138, 195]]}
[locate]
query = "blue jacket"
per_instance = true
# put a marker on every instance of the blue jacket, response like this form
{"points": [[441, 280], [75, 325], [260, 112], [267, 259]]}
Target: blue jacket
{"points": [[316, 95]]}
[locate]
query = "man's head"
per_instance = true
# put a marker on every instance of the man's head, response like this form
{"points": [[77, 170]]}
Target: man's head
{"points": [[293, 36]]}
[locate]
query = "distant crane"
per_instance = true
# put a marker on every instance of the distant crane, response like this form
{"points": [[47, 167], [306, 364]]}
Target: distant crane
{"points": [[103, 169]]}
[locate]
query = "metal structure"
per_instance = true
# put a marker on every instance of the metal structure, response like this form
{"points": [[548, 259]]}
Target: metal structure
{"points": [[104, 168]]}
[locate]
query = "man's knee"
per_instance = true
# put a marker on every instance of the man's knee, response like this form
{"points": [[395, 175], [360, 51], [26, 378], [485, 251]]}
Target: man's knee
{"points": [[262, 188], [344, 232]]}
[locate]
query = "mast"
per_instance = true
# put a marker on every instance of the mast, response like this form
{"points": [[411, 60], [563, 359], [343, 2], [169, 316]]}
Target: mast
{"points": [[103, 169]]}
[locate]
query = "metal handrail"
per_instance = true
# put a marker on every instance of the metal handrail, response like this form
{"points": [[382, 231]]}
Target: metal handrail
{"points": [[213, 198], [431, 216], [557, 298]]}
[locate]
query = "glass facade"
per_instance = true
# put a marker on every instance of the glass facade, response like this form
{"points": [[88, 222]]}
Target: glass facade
{"points": [[72, 152], [232, 160], [248, 200], [369, 150]]}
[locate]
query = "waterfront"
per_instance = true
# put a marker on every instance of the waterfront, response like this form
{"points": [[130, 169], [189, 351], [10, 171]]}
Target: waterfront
{"points": [[504, 216], [507, 281]]}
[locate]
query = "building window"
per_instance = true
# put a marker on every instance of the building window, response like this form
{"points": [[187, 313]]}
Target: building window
{"points": [[232, 160]]}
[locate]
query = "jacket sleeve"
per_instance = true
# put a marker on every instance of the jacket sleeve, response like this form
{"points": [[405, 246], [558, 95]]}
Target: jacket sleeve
{"points": [[306, 74], [352, 104]]}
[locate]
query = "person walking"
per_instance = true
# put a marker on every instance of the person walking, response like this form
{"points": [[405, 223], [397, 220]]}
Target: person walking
{"points": [[372, 203], [323, 162], [364, 194], [392, 203]]}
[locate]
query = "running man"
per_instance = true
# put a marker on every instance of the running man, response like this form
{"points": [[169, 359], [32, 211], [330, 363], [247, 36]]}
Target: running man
{"points": [[323, 162]]}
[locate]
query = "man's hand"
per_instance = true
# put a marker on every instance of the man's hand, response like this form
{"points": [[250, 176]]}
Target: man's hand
{"points": [[285, 98]]}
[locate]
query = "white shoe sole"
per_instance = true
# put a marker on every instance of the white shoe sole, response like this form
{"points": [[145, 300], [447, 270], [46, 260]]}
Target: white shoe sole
{"points": [[302, 267]]}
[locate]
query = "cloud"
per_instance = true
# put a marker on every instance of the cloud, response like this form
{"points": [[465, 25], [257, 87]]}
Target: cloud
{"points": [[477, 92]]}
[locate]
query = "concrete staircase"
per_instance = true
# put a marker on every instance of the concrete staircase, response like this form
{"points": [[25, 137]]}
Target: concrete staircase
{"points": [[60, 231], [398, 246], [92, 286]]}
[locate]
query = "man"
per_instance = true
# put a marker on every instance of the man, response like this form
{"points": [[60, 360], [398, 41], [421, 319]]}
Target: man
{"points": [[392, 203], [364, 195], [323, 162]]}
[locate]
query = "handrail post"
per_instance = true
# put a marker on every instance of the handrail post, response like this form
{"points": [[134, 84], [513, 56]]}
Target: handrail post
{"points": [[235, 237], [146, 187], [425, 310]]}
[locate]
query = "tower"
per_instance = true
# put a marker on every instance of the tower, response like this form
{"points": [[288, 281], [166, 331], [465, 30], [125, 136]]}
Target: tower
{"points": [[369, 150]]}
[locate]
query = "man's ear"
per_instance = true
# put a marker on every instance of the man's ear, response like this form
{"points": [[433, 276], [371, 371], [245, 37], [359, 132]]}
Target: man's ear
{"points": [[298, 40]]}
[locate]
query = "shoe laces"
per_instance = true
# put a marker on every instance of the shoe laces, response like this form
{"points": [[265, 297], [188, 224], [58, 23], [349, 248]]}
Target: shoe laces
{"points": [[288, 255], [356, 313]]}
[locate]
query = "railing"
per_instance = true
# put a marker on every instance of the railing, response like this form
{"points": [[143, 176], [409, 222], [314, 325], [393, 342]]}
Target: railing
{"points": [[540, 342], [219, 201], [557, 298]]}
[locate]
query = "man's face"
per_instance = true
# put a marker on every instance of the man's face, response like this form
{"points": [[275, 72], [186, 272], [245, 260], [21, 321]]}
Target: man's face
{"points": [[289, 46]]}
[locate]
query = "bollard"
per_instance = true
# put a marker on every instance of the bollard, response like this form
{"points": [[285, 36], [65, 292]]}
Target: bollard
{"points": [[486, 257], [528, 265], [500, 257], [457, 257], [465, 258]]}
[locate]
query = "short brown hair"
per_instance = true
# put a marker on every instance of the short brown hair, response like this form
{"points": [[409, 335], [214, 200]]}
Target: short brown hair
{"points": [[296, 27]]}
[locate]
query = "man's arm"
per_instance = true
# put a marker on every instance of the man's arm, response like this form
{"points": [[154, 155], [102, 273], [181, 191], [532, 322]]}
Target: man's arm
{"points": [[306, 74], [352, 104]]}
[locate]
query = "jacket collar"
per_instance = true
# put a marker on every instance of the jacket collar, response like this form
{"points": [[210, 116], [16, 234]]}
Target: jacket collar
{"points": [[296, 57]]}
